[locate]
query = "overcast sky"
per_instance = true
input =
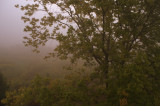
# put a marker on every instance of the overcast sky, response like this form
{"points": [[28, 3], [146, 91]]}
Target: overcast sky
{"points": [[11, 26]]}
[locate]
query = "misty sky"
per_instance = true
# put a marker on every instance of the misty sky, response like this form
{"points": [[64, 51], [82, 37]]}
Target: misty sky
{"points": [[11, 25]]}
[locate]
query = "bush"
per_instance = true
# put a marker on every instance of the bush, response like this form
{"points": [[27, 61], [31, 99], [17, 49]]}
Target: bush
{"points": [[75, 90], [3, 87]]}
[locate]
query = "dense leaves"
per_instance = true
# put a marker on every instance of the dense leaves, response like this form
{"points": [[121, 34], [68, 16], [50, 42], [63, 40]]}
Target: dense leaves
{"points": [[76, 89], [133, 86]]}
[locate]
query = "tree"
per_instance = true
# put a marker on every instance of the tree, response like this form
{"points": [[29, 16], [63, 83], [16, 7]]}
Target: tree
{"points": [[114, 35]]}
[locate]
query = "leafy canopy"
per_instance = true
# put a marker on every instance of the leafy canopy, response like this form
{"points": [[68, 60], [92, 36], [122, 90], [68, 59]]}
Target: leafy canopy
{"points": [[120, 37], [94, 30]]}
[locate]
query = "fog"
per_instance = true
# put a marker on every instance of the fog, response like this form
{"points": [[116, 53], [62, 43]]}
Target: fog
{"points": [[11, 26], [17, 62]]}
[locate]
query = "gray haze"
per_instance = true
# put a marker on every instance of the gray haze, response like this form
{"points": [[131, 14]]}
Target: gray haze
{"points": [[19, 64], [11, 25]]}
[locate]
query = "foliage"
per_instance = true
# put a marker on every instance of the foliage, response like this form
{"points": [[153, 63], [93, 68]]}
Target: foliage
{"points": [[134, 86], [119, 38], [3, 87], [137, 83], [74, 90], [105, 32]]}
